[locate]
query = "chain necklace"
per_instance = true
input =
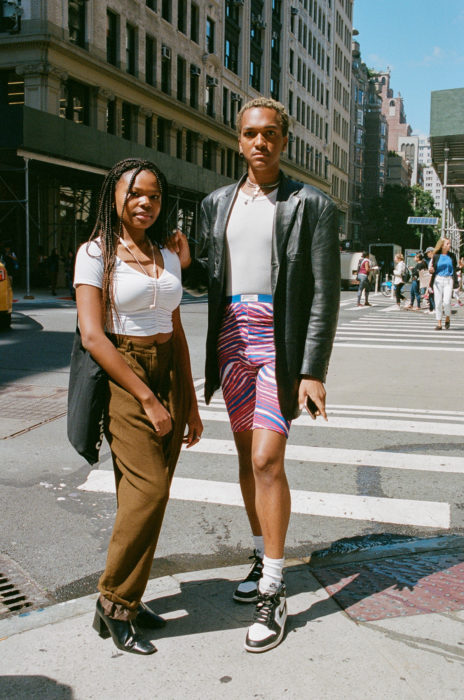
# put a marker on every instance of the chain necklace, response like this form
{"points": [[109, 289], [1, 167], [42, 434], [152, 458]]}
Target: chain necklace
{"points": [[153, 277], [257, 188]]}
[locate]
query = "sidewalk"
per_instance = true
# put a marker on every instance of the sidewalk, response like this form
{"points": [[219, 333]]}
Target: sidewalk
{"points": [[391, 628]]}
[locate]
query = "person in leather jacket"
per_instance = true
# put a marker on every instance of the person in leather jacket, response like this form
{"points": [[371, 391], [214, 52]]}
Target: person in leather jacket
{"points": [[268, 256]]}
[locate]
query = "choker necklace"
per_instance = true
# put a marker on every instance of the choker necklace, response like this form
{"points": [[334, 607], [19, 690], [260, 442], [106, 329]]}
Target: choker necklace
{"points": [[257, 188]]}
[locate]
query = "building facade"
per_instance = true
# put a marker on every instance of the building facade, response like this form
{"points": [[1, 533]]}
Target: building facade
{"points": [[393, 110], [86, 83], [431, 181], [359, 101]]}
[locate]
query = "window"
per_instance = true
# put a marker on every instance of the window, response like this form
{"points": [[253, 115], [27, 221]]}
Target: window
{"points": [[190, 146], [290, 102], [255, 75], [231, 56], [149, 132], [126, 124], [179, 148], [210, 31], [166, 10], [194, 23], [162, 135], [76, 22], [112, 32], [194, 85], [207, 155], [182, 16], [131, 49], [166, 70], [150, 60], [111, 117], [181, 78], [151, 4], [275, 88], [209, 96], [291, 62], [225, 105], [75, 102]]}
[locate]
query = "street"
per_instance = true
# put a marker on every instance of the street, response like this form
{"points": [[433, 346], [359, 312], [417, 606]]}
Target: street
{"points": [[388, 464]]}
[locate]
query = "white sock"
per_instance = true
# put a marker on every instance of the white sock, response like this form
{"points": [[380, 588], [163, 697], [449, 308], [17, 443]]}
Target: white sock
{"points": [[272, 574], [259, 545]]}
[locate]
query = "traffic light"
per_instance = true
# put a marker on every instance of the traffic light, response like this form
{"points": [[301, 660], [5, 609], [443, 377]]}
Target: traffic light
{"points": [[10, 16]]}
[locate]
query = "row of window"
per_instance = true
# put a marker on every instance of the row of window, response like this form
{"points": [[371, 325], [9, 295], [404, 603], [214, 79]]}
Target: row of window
{"points": [[340, 126], [341, 95], [342, 63], [340, 158], [310, 81], [339, 187], [309, 118], [307, 156], [318, 16], [343, 31]]}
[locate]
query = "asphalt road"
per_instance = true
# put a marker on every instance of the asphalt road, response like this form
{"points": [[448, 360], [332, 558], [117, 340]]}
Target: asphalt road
{"points": [[388, 464]]}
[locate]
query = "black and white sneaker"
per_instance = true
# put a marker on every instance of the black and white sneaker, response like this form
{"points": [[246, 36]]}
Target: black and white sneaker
{"points": [[247, 590], [269, 620]]}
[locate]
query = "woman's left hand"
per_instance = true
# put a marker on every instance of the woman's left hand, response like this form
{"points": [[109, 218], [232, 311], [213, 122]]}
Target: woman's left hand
{"points": [[195, 428]]}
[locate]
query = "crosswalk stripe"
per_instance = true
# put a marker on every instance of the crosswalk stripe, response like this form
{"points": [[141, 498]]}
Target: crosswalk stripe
{"points": [[338, 456], [396, 347], [387, 510], [359, 424]]}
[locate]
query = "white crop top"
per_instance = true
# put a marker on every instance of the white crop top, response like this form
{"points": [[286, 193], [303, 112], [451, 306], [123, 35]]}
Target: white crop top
{"points": [[249, 244], [134, 292]]}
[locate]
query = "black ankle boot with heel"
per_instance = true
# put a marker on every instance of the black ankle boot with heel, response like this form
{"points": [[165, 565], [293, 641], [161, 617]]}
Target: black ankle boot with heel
{"points": [[123, 633]]}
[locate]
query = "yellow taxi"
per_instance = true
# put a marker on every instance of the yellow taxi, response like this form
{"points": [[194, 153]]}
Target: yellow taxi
{"points": [[6, 298]]}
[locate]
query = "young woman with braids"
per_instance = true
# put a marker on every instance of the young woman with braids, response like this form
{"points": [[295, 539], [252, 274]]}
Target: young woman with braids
{"points": [[128, 290]]}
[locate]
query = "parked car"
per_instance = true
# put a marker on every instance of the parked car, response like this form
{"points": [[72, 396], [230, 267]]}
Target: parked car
{"points": [[349, 269], [6, 298]]}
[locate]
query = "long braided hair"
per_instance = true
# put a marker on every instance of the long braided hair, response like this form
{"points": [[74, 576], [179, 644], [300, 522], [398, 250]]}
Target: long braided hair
{"points": [[108, 223]]}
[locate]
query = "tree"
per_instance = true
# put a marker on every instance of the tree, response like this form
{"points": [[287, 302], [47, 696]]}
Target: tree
{"points": [[424, 205]]}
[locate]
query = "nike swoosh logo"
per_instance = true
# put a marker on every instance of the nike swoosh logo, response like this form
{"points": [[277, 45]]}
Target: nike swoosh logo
{"points": [[280, 614]]}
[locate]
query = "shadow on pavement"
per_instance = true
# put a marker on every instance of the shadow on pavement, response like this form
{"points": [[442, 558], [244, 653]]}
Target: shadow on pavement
{"points": [[37, 687], [26, 349]]}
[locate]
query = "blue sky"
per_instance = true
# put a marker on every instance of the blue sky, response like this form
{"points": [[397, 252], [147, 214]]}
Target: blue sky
{"points": [[422, 41]]}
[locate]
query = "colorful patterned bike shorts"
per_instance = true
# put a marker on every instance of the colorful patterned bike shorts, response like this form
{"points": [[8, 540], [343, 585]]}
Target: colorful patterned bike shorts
{"points": [[246, 355]]}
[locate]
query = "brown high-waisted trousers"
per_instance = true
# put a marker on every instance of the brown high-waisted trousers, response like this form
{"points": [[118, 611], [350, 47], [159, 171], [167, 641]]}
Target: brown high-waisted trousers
{"points": [[144, 464]]}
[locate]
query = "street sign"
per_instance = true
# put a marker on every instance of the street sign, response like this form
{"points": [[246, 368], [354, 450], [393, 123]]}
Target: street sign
{"points": [[423, 220]]}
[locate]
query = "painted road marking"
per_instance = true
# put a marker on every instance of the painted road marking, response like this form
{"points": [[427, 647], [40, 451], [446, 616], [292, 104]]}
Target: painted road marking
{"points": [[358, 458], [384, 346], [359, 424], [333, 505]]}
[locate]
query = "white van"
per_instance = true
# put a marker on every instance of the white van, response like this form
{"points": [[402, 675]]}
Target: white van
{"points": [[349, 269]]}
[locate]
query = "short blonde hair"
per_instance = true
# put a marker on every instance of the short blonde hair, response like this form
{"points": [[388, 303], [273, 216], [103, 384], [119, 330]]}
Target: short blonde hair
{"points": [[399, 256], [267, 103]]}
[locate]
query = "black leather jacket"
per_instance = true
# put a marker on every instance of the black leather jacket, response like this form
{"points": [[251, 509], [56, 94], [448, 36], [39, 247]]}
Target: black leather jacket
{"points": [[305, 281]]}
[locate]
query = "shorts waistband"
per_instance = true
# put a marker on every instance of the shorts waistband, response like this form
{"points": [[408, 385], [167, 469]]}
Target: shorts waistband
{"points": [[244, 298]]}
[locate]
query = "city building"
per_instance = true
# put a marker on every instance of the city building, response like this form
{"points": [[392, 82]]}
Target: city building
{"points": [[375, 154], [359, 94], [341, 106], [393, 110], [84, 84], [431, 181], [447, 144], [399, 170], [408, 146]]}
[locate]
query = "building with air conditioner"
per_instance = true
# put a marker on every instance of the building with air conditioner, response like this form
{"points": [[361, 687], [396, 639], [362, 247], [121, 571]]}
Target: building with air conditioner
{"points": [[84, 84]]}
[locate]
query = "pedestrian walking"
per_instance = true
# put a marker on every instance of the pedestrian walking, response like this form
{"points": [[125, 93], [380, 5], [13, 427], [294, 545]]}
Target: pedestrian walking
{"points": [[53, 262], [430, 297], [268, 253], [443, 269], [420, 266], [364, 268], [398, 278], [128, 290], [69, 272]]}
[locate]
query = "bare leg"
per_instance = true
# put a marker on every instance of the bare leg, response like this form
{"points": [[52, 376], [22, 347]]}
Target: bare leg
{"points": [[243, 442], [272, 493]]}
